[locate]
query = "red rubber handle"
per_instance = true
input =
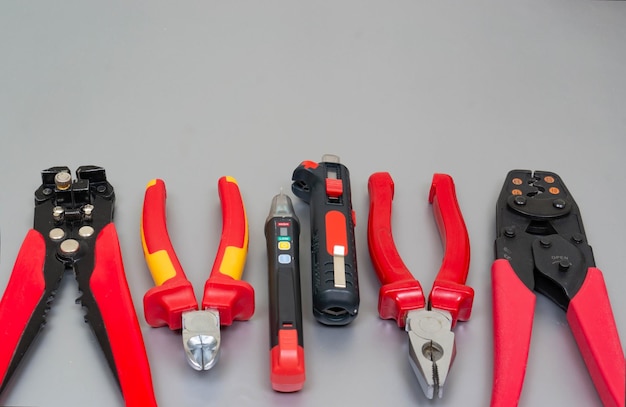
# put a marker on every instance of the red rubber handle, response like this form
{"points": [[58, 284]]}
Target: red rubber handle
{"points": [[24, 291], [513, 311], [593, 325], [110, 290], [449, 290], [400, 291], [224, 290], [173, 294]]}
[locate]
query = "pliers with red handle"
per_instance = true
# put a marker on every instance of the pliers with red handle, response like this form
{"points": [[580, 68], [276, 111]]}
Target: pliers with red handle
{"points": [[429, 325], [172, 301], [541, 245], [73, 230]]}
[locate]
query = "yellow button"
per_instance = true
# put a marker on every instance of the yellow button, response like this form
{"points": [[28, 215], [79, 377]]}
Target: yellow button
{"points": [[284, 245]]}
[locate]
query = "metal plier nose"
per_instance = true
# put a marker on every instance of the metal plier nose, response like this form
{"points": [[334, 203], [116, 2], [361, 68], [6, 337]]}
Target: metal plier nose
{"points": [[542, 246], [429, 326], [172, 301], [73, 230]]}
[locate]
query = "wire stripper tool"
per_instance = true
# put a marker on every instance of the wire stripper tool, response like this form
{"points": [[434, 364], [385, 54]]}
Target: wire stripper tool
{"points": [[542, 246], [431, 340], [172, 301], [73, 230], [325, 186]]}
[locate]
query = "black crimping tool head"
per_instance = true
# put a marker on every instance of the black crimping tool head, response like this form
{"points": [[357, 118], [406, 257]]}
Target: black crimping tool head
{"points": [[541, 233], [73, 230]]}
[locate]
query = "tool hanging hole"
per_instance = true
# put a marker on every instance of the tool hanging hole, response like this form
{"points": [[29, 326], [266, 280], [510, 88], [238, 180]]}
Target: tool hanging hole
{"points": [[432, 351]]}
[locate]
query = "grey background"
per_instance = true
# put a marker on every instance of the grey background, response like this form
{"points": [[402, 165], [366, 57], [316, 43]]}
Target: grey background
{"points": [[190, 91]]}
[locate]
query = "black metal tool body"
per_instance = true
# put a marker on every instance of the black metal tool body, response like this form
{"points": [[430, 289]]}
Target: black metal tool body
{"points": [[325, 186]]}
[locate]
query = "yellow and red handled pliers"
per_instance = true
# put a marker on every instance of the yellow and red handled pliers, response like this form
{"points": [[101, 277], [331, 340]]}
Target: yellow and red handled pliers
{"points": [[172, 301], [429, 325]]}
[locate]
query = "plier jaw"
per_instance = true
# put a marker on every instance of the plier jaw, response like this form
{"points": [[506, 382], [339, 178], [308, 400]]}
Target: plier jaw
{"points": [[431, 348], [429, 324], [542, 246]]}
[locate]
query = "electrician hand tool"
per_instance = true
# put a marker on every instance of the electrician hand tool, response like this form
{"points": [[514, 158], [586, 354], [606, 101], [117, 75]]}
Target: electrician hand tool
{"points": [[325, 186], [172, 301], [431, 340], [73, 230], [282, 231], [541, 245]]}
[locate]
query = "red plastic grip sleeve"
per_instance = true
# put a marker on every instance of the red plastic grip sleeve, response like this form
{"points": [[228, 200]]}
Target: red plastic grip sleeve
{"points": [[24, 291], [223, 290], [449, 291], [400, 291], [287, 372], [593, 325], [110, 290], [173, 294], [513, 311]]}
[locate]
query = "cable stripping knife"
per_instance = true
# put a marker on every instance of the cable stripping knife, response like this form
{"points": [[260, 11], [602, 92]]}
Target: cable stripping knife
{"points": [[325, 186], [429, 325], [172, 301], [73, 230], [542, 246]]}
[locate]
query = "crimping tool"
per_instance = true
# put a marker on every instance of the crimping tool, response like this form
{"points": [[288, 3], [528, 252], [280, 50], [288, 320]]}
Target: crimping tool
{"points": [[73, 230], [542, 246], [172, 301], [429, 325]]}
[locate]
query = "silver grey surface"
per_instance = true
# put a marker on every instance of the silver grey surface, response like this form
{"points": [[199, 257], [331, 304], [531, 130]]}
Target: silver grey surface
{"points": [[191, 91]]}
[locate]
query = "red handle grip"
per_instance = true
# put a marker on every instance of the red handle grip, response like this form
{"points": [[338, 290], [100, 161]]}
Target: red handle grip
{"points": [[513, 311], [593, 325], [173, 294], [400, 291], [224, 290], [24, 291], [449, 290], [110, 290]]}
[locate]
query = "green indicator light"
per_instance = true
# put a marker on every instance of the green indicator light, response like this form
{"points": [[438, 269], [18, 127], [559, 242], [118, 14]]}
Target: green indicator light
{"points": [[284, 238]]}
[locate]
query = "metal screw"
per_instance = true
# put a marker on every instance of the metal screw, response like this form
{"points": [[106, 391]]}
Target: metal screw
{"points": [[101, 189], [46, 191], [56, 234], [520, 200], [88, 211], [63, 180], [545, 243], [432, 351], [564, 265], [509, 231], [69, 246], [86, 231], [578, 238], [558, 203], [58, 212]]}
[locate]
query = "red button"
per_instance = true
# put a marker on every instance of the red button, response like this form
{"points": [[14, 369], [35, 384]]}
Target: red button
{"points": [[334, 187]]}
